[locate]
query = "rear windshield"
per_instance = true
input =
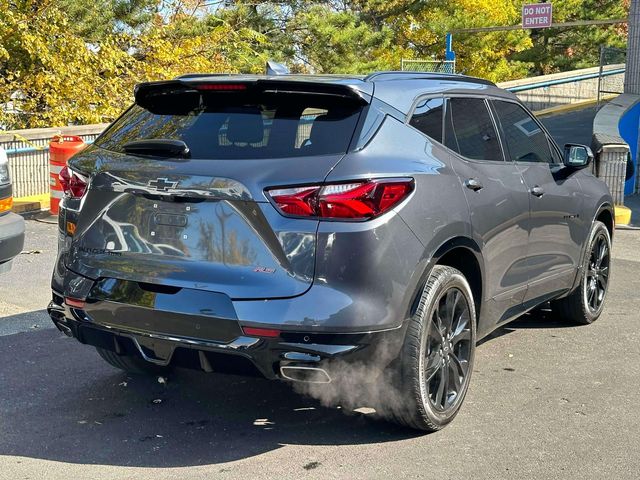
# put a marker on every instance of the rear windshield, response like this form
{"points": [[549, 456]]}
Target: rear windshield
{"points": [[242, 125]]}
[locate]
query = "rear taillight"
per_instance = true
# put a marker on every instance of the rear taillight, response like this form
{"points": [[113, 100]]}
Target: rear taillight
{"points": [[73, 183], [352, 200]]}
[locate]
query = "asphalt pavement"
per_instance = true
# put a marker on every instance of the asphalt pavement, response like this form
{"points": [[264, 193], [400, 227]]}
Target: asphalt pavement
{"points": [[25, 291], [571, 127]]}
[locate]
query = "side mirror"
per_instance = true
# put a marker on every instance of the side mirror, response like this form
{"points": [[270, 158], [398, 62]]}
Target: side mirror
{"points": [[577, 156]]}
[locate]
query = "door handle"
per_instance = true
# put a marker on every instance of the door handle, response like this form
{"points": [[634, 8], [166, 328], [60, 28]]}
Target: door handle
{"points": [[473, 184], [537, 191]]}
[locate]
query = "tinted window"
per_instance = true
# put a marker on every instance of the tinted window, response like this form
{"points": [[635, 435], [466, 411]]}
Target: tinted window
{"points": [[308, 117], [469, 129], [427, 117], [243, 126], [525, 140]]}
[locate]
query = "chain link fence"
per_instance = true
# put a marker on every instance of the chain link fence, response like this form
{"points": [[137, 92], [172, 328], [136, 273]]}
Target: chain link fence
{"points": [[439, 66], [608, 84]]}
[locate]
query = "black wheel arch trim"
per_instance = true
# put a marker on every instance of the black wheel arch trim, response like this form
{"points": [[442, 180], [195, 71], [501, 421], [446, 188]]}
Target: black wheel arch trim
{"points": [[604, 206], [445, 248]]}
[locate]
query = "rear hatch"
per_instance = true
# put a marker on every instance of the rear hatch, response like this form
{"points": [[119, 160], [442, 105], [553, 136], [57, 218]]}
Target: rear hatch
{"points": [[177, 186]]}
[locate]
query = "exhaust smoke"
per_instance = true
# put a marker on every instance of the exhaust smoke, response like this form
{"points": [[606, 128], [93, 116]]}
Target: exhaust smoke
{"points": [[360, 385]]}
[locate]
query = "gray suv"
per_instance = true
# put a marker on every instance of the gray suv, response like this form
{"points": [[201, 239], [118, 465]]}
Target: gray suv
{"points": [[300, 227]]}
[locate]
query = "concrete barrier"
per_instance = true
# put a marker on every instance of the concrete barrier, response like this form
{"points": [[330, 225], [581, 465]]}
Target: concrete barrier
{"points": [[565, 88], [617, 123], [613, 144]]}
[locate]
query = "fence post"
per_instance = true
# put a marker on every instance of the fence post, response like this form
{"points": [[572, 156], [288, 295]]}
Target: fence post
{"points": [[600, 75]]}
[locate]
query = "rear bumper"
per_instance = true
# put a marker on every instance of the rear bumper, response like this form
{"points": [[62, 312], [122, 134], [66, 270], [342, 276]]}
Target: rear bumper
{"points": [[11, 236], [293, 355]]}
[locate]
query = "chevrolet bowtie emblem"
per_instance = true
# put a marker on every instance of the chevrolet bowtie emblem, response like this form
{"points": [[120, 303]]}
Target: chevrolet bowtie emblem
{"points": [[162, 184]]}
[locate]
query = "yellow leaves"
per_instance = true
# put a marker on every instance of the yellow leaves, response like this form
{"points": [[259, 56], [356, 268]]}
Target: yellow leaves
{"points": [[478, 54], [488, 12], [54, 78]]}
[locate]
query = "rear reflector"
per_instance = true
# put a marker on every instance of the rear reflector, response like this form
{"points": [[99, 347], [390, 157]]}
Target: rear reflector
{"points": [[6, 204], [71, 228], [74, 302], [221, 86], [261, 332], [360, 200]]}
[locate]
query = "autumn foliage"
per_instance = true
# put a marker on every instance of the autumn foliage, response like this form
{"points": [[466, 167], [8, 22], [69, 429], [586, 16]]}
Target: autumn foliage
{"points": [[76, 61]]}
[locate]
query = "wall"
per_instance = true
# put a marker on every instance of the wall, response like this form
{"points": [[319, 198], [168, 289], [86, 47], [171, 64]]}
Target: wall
{"points": [[617, 123], [554, 90]]}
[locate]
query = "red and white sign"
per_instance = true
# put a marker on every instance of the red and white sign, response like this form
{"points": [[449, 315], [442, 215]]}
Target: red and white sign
{"points": [[536, 15]]}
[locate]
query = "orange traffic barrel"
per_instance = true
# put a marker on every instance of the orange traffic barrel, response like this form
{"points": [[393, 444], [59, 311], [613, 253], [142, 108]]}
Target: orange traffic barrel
{"points": [[61, 149]]}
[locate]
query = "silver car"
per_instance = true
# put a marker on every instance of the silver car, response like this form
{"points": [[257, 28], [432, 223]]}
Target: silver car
{"points": [[11, 224], [321, 228]]}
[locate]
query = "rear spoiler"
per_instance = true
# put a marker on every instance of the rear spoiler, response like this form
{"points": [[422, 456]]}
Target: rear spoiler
{"points": [[189, 92]]}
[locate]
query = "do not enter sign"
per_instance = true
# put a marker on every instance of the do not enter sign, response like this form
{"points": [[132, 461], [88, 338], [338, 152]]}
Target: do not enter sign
{"points": [[536, 15]]}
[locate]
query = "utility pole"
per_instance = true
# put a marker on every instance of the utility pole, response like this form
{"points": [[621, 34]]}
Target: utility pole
{"points": [[632, 73]]}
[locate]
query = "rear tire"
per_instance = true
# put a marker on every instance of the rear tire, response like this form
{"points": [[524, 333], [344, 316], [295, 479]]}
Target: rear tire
{"points": [[585, 304], [133, 365], [437, 356]]}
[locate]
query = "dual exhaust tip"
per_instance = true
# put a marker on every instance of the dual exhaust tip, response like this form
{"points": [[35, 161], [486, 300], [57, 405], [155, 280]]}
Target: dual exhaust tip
{"points": [[305, 374]]}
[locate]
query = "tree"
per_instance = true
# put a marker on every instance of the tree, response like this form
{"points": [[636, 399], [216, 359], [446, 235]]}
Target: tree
{"points": [[569, 48], [421, 27], [328, 36], [53, 77], [358, 36], [102, 18], [331, 41], [64, 61]]}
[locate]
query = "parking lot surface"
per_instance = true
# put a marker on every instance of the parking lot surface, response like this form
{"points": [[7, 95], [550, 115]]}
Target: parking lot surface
{"points": [[547, 400]]}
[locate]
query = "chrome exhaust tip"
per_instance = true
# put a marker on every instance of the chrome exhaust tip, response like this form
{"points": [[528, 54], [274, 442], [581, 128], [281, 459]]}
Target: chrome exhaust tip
{"points": [[297, 373], [64, 329]]}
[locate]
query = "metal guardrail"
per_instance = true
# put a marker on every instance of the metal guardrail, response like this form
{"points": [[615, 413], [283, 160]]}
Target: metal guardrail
{"points": [[565, 88], [561, 81]]}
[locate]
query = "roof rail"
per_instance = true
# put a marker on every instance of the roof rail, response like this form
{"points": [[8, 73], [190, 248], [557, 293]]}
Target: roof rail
{"points": [[408, 75]]}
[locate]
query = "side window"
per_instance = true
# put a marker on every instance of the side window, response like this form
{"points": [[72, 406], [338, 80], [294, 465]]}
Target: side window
{"points": [[525, 139], [469, 129], [427, 117]]}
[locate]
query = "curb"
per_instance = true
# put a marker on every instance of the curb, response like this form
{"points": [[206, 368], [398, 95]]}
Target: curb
{"points": [[571, 107], [622, 215], [31, 204]]}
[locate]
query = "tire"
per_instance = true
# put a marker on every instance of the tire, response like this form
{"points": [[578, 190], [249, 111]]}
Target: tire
{"points": [[421, 404], [133, 365], [584, 305]]}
